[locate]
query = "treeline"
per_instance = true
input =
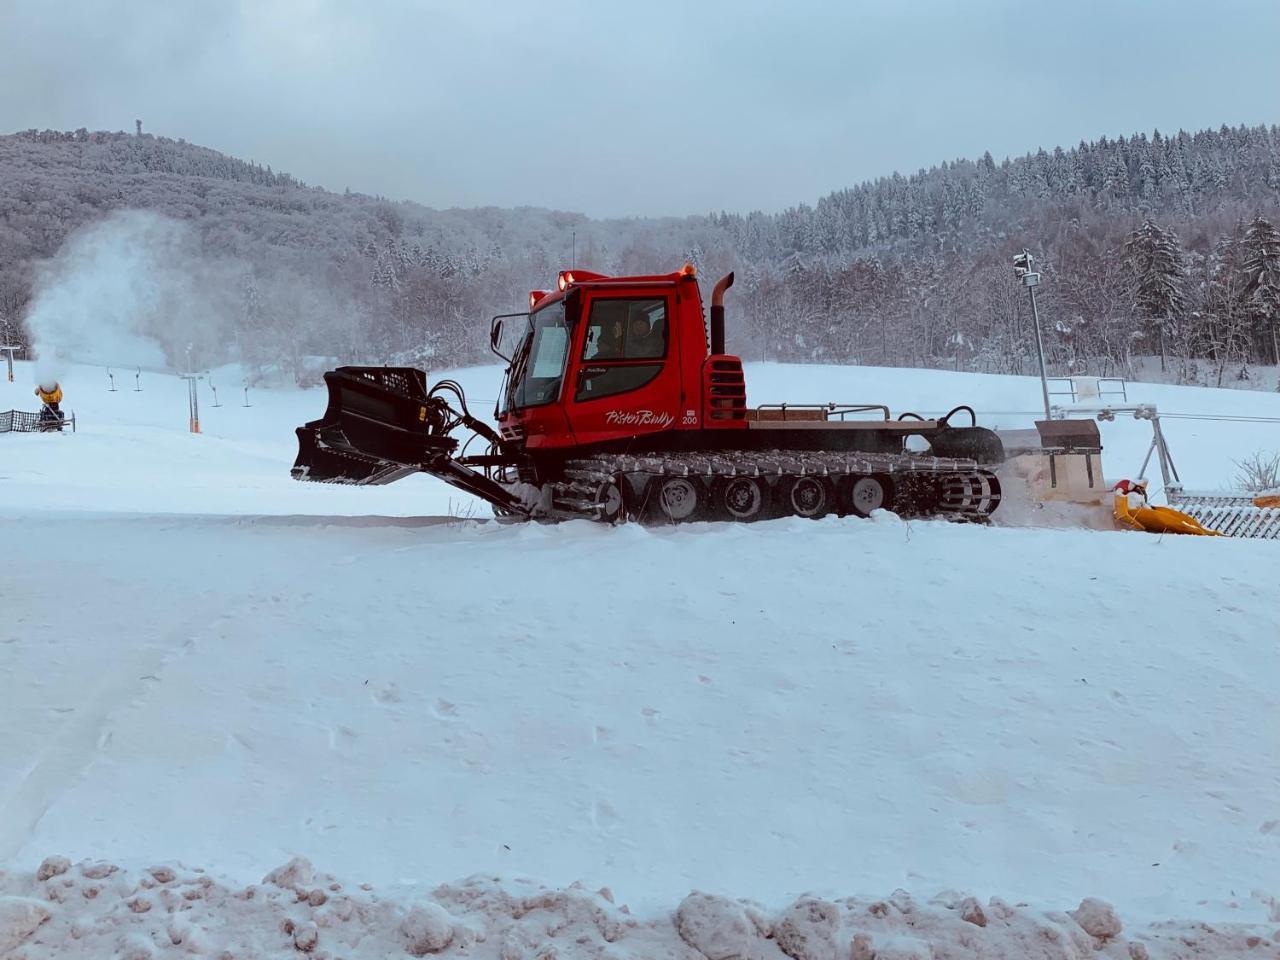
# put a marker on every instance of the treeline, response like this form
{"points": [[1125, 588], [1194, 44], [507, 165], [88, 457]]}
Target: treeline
{"points": [[1148, 245], [1208, 313]]}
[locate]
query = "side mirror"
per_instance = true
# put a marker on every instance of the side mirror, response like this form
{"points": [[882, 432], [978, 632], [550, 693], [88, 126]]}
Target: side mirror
{"points": [[495, 333]]}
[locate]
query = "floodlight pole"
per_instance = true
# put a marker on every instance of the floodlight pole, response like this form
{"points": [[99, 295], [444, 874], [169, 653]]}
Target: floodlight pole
{"points": [[1022, 265], [193, 399], [8, 355], [193, 402]]}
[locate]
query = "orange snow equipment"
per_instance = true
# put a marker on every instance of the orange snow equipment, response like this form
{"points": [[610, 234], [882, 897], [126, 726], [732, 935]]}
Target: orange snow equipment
{"points": [[1132, 510], [49, 393]]}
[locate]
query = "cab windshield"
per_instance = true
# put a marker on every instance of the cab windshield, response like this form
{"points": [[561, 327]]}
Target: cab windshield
{"points": [[540, 366]]}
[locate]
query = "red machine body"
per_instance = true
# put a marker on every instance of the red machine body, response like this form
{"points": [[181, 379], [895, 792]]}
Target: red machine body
{"points": [[620, 358]]}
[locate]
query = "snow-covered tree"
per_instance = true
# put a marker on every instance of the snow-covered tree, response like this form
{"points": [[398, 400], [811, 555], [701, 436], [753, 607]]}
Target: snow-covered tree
{"points": [[1155, 257], [1261, 269]]}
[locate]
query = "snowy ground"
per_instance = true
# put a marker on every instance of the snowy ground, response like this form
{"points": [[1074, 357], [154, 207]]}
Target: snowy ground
{"points": [[211, 667]]}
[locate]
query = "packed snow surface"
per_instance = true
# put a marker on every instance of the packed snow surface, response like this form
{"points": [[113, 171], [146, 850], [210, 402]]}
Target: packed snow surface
{"points": [[210, 670]]}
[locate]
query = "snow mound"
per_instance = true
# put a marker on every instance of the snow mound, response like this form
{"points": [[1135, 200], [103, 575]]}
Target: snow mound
{"points": [[427, 928], [718, 928], [19, 918], [173, 910], [1097, 918], [808, 930]]}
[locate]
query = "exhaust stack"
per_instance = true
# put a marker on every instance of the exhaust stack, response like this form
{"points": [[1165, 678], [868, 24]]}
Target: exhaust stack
{"points": [[717, 312]]}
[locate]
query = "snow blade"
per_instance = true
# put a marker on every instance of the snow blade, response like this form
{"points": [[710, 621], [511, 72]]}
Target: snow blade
{"points": [[321, 464], [382, 423], [379, 426]]}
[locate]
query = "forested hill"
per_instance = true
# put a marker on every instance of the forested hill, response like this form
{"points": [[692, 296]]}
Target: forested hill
{"points": [[1180, 177], [906, 269]]}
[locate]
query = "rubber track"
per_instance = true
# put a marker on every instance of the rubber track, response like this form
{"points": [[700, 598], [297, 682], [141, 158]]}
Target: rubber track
{"points": [[966, 490]]}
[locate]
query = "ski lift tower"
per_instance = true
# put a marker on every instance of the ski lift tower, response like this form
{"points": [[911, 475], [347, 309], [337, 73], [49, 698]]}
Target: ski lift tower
{"points": [[1022, 269]]}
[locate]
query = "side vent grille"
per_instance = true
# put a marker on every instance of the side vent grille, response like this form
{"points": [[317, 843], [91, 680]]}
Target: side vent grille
{"points": [[724, 390]]}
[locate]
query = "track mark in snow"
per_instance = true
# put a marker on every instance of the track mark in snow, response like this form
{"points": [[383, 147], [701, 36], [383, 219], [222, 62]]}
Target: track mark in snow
{"points": [[342, 739], [71, 750], [603, 815]]}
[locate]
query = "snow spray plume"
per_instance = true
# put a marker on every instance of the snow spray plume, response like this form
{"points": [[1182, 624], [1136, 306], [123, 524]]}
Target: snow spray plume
{"points": [[132, 289]]}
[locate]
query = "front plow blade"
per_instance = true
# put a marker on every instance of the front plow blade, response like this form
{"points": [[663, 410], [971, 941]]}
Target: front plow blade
{"points": [[320, 464], [382, 424], [379, 426]]}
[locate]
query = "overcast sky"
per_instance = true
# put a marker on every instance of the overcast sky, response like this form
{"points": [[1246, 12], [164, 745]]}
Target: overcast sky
{"points": [[644, 108]]}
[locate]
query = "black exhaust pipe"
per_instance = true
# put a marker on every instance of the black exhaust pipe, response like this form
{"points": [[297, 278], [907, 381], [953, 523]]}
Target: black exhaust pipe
{"points": [[717, 312]]}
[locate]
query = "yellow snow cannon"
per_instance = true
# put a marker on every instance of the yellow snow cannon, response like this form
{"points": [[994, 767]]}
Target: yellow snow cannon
{"points": [[1132, 510]]}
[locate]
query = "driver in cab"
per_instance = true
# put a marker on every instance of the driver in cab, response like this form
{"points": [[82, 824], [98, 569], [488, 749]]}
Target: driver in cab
{"points": [[643, 339]]}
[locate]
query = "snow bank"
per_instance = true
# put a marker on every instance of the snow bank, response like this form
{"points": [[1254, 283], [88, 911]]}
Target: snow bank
{"points": [[94, 913]]}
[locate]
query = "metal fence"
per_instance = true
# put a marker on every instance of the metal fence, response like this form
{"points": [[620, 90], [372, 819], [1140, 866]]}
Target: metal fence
{"points": [[20, 421]]}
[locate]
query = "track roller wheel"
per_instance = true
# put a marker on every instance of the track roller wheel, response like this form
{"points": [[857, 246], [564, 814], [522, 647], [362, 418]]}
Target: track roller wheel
{"points": [[808, 497], [678, 499], [609, 503], [743, 499], [862, 494]]}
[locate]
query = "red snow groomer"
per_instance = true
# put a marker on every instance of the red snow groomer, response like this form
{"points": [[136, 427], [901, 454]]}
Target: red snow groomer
{"points": [[619, 402]]}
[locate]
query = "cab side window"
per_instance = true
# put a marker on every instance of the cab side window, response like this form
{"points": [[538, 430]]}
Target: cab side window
{"points": [[622, 333], [626, 330]]}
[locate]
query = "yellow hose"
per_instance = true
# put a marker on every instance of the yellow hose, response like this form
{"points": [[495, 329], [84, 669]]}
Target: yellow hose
{"points": [[1159, 519]]}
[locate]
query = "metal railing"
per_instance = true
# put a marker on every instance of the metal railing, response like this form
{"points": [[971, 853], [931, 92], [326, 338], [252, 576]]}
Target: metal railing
{"points": [[829, 411], [1094, 388]]}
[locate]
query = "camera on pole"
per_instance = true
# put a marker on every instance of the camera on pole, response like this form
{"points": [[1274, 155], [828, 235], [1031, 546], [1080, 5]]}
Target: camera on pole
{"points": [[1022, 264], [1022, 269]]}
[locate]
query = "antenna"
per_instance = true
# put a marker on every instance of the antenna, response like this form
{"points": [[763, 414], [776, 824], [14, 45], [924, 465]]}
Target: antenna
{"points": [[573, 256]]}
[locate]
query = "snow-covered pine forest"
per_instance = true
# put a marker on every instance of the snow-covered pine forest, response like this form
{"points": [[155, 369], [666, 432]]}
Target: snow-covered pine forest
{"points": [[1151, 246]]}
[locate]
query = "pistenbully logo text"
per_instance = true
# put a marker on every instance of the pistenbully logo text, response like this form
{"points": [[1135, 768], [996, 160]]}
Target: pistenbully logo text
{"points": [[639, 418]]}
